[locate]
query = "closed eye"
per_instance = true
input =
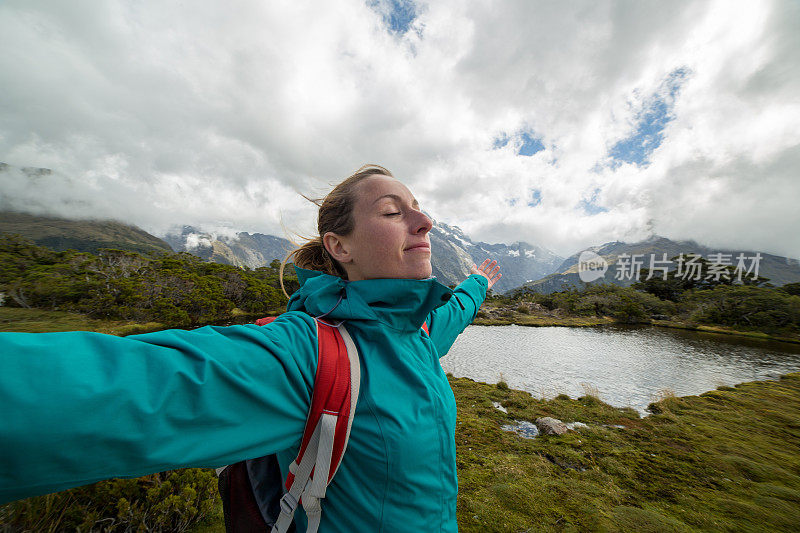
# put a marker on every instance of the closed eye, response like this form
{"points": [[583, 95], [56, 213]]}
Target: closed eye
{"points": [[391, 214]]}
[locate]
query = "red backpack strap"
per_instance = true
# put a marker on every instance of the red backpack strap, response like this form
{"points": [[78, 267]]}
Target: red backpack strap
{"points": [[425, 328], [266, 320], [327, 430]]}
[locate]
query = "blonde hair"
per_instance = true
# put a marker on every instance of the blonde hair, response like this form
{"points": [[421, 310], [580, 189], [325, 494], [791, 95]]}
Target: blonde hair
{"points": [[335, 215]]}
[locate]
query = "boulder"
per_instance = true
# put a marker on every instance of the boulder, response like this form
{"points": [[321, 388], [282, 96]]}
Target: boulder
{"points": [[550, 426]]}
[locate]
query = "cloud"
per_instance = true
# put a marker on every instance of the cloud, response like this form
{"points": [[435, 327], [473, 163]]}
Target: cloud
{"points": [[619, 119]]}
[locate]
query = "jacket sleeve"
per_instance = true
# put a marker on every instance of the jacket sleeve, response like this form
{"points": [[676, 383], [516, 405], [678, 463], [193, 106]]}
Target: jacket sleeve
{"points": [[79, 407], [445, 323]]}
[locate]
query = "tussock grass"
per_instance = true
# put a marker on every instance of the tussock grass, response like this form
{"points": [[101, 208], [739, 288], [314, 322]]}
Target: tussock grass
{"points": [[726, 460]]}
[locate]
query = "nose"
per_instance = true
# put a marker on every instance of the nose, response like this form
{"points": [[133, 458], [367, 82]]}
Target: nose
{"points": [[422, 224]]}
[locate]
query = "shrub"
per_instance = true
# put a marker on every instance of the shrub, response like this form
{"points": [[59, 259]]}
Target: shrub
{"points": [[745, 306], [169, 501], [173, 289]]}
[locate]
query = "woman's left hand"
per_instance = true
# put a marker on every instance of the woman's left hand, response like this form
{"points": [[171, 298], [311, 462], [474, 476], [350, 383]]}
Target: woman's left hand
{"points": [[488, 270]]}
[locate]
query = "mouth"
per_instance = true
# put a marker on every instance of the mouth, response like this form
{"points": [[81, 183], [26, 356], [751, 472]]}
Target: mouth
{"points": [[421, 247]]}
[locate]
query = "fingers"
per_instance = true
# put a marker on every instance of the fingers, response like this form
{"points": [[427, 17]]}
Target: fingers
{"points": [[490, 270]]}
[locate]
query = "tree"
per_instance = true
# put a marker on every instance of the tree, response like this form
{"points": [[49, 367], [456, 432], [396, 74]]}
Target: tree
{"points": [[792, 288], [696, 273]]}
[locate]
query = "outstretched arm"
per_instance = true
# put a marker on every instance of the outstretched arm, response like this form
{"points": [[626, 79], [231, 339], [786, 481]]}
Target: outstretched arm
{"points": [[447, 322], [80, 407]]}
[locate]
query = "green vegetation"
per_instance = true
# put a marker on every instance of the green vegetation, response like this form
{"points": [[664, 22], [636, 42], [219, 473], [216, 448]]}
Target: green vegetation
{"points": [[727, 460], [42, 321], [594, 305], [176, 290], [711, 303], [179, 500], [745, 307]]}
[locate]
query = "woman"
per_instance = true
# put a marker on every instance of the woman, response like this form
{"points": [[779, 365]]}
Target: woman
{"points": [[81, 407]]}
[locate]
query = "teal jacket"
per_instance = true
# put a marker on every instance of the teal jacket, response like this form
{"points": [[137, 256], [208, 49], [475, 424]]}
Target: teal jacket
{"points": [[79, 407]]}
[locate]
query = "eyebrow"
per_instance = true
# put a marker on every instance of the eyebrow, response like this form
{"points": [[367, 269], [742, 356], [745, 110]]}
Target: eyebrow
{"points": [[415, 203]]}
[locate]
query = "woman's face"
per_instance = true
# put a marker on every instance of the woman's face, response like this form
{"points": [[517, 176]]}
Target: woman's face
{"points": [[390, 234]]}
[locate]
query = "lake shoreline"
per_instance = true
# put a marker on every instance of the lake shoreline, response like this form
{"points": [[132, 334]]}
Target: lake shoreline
{"points": [[577, 322]]}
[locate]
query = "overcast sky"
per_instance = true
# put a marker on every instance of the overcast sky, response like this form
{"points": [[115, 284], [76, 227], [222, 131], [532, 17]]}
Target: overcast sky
{"points": [[563, 124]]}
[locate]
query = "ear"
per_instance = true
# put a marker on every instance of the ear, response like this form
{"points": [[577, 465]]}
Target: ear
{"points": [[337, 246]]}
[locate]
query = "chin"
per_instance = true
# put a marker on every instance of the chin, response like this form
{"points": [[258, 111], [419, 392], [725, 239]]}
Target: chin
{"points": [[424, 273]]}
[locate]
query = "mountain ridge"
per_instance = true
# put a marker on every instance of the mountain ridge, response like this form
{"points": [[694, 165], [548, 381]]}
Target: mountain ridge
{"points": [[778, 269], [524, 266], [82, 235]]}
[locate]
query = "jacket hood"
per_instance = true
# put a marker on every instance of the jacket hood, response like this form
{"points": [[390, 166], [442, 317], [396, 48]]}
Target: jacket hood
{"points": [[402, 304]]}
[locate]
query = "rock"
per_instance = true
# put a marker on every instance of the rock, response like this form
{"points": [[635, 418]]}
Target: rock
{"points": [[523, 428], [550, 426], [499, 406]]}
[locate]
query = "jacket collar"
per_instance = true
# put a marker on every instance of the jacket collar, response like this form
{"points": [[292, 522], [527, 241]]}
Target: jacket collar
{"points": [[402, 304]]}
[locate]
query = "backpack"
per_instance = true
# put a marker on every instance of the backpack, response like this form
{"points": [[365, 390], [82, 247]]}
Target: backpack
{"points": [[253, 498], [252, 492]]}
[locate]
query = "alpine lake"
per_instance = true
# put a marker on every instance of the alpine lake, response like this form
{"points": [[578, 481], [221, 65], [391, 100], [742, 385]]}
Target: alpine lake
{"points": [[625, 366]]}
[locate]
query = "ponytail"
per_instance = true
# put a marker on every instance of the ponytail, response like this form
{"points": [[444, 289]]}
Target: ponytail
{"points": [[312, 256]]}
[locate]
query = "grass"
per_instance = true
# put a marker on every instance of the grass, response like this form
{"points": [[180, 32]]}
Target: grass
{"points": [[727, 460], [725, 330], [42, 321]]}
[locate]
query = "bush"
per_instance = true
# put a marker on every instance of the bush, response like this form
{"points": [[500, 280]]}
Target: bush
{"points": [[170, 501], [745, 306], [622, 303], [176, 290]]}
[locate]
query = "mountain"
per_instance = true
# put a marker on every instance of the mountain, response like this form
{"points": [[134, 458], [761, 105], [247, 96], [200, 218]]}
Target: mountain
{"points": [[245, 249], [82, 235], [779, 270], [453, 253]]}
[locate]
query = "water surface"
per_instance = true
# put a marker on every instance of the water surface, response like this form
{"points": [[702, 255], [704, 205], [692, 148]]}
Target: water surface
{"points": [[623, 365]]}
